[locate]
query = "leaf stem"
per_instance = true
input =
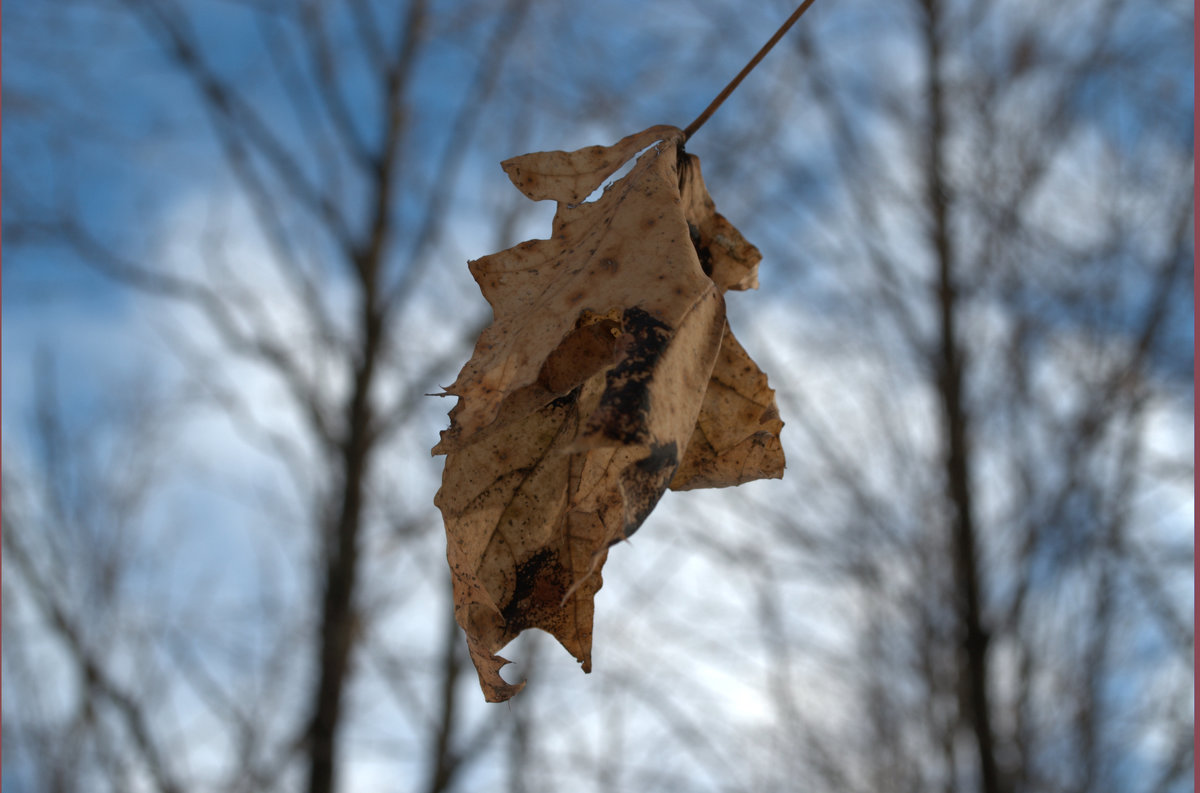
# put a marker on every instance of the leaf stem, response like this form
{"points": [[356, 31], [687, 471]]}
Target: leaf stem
{"points": [[721, 97]]}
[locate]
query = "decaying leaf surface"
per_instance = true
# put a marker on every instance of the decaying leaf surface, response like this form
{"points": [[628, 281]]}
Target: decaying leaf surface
{"points": [[608, 374]]}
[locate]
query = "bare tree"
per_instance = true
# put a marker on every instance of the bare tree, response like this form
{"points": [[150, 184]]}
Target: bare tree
{"points": [[984, 241], [977, 221], [348, 208]]}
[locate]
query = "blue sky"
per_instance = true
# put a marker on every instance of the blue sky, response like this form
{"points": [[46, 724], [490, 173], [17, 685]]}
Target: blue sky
{"points": [[100, 123]]}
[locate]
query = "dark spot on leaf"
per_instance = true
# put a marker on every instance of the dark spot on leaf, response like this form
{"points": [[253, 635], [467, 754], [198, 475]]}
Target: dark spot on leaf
{"points": [[646, 481], [625, 406], [566, 400], [702, 251], [661, 457], [541, 584]]}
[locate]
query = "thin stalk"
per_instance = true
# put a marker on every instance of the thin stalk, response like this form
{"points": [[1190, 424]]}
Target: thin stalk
{"points": [[721, 97]]}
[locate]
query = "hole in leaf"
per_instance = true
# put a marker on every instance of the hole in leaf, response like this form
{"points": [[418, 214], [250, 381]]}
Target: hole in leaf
{"points": [[617, 176]]}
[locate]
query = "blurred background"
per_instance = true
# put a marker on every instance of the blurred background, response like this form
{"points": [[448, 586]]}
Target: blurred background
{"points": [[235, 241]]}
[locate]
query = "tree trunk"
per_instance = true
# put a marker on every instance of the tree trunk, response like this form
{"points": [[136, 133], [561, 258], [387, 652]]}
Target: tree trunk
{"points": [[950, 364], [338, 621]]}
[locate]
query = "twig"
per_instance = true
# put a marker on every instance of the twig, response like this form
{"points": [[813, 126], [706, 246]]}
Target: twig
{"points": [[721, 97]]}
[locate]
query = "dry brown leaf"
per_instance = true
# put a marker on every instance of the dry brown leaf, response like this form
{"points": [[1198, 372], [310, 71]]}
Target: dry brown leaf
{"points": [[608, 374]]}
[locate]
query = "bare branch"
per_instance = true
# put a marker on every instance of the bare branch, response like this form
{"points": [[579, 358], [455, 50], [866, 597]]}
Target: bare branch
{"points": [[95, 678]]}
